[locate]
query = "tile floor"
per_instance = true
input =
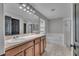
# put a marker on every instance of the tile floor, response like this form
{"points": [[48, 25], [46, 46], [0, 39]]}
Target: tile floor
{"points": [[54, 49]]}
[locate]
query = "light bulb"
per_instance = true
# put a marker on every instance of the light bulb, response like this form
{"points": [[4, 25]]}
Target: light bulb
{"points": [[27, 11], [20, 7], [24, 5], [24, 9], [28, 7]]}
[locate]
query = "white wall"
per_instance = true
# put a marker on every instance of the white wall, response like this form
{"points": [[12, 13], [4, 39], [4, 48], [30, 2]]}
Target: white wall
{"points": [[1, 30], [55, 26], [60, 28], [56, 31]]}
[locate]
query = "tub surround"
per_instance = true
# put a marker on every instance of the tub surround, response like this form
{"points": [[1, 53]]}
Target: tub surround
{"points": [[33, 44]]}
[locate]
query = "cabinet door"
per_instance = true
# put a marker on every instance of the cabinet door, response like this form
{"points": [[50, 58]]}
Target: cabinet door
{"points": [[20, 54], [42, 46], [37, 49], [29, 51]]}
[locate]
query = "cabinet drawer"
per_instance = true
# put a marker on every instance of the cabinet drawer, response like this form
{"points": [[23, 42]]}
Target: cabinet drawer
{"points": [[37, 40]]}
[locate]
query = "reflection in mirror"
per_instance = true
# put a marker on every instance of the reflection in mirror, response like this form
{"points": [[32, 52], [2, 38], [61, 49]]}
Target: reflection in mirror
{"points": [[11, 26]]}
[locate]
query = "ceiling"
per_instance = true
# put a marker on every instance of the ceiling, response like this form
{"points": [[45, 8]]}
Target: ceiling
{"points": [[61, 9]]}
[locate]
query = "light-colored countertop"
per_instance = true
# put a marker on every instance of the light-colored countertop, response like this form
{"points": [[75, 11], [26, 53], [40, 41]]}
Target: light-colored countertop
{"points": [[15, 42]]}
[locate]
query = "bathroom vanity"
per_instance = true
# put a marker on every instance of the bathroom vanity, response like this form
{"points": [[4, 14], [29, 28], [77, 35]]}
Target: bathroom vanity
{"points": [[31, 45], [21, 33]]}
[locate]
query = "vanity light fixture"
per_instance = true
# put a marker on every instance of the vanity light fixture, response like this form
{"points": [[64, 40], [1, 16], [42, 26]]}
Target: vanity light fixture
{"points": [[28, 8]]}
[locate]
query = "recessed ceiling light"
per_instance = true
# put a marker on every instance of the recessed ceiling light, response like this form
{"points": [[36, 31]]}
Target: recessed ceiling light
{"points": [[20, 7], [24, 5]]}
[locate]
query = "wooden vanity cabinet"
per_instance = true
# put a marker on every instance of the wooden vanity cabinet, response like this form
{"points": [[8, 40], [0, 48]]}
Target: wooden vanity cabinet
{"points": [[35, 47], [20, 49]]}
